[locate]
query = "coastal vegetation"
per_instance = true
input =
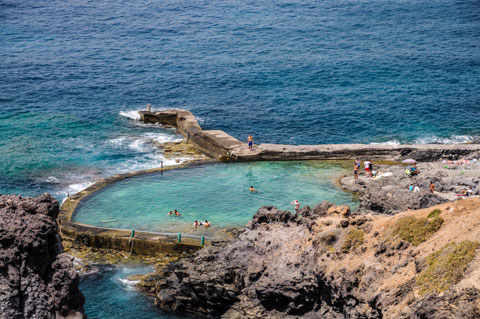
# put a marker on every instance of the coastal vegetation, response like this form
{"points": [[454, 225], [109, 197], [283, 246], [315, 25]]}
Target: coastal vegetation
{"points": [[353, 239], [416, 230], [446, 267], [434, 213]]}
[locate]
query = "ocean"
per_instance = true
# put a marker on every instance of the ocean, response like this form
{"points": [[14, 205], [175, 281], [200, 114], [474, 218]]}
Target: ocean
{"points": [[74, 73]]}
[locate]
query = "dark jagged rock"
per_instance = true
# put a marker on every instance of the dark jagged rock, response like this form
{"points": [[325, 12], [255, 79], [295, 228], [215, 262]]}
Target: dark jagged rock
{"points": [[295, 266], [454, 305], [36, 279], [387, 199], [265, 273]]}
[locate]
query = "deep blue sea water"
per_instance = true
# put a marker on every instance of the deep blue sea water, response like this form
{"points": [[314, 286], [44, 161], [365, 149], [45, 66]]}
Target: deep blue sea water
{"points": [[289, 71], [296, 72]]}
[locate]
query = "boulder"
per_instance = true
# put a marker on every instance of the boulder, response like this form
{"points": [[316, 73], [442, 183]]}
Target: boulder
{"points": [[37, 280]]}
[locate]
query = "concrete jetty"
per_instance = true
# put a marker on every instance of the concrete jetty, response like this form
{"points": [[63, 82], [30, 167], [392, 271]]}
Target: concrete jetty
{"points": [[219, 145]]}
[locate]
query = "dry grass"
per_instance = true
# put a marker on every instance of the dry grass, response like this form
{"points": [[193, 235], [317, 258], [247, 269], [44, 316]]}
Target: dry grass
{"points": [[434, 213], [446, 267], [416, 230], [353, 239]]}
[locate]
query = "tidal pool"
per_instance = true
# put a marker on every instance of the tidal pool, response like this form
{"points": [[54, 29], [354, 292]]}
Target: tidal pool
{"points": [[216, 192]]}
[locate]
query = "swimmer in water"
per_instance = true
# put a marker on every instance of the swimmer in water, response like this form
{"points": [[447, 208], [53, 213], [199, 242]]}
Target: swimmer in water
{"points": [[252, 189], [297, 204], [170, 213], [196, 224], [177, 213], [206, 223]]}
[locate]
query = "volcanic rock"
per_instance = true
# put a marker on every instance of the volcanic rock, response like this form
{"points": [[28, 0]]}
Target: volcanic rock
{"points": [[37, 280]]}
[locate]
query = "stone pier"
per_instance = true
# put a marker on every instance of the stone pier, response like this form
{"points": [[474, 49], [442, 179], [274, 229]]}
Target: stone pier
{"points": [[219, 145]]}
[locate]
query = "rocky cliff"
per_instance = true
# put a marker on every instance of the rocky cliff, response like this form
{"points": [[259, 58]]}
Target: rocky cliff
{"points": [[36, 279], [330, 264]]}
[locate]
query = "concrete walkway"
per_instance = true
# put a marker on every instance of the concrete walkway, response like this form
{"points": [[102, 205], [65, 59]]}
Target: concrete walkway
{"points": [[220, 145]]}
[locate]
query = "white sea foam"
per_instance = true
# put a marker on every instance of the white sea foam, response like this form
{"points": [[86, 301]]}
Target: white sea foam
{"points": [[75, 188], [392, 143], [454, 139], [52, 180], [162, 138], [117, 141], [128, 284], [133, 114]]}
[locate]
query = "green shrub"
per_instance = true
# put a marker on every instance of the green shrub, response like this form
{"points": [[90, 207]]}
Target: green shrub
{"points": [[416, 230], [434, 213], [353, 239], [446, 267]]}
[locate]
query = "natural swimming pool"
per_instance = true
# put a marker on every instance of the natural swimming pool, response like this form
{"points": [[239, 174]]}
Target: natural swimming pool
{"points": [[217, 192]]}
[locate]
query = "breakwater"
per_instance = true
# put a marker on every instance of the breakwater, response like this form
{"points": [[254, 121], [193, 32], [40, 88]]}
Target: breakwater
{"points": [[219, 145]]}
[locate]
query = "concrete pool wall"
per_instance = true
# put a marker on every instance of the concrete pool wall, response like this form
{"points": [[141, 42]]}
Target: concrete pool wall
{"points": [[145, 243]]}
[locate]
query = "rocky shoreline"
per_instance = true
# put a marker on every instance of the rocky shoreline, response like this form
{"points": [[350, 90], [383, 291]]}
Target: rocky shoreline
{"points": [[326, 263], [37, 279], [389, 194]]}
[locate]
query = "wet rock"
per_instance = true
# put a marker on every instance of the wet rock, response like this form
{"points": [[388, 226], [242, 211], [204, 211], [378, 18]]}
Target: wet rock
{"points": [[37, 280]]}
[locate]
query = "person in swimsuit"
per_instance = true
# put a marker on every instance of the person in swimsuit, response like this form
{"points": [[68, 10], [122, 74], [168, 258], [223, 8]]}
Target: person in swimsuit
{"points": [[206, 223], [297, 205], [367, 168], [170, 213], [252, 189], [250, 142], [196, 224], [432, 187], [177, 213]]}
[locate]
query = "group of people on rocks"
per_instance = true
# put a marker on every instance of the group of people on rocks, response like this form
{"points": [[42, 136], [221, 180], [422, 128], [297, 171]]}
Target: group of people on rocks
{"points": [[367, 164], [415, 188]]}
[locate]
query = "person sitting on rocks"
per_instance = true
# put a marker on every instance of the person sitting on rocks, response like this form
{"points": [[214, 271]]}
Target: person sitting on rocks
{"points": [[432, 187], [410, 188], [408, 173], [414, 170], [416, 188]]}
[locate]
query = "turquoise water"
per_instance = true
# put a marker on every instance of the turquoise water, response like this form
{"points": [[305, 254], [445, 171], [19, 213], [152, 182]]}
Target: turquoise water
{"points": [[299, 72], [110, 295], [73, 73], [218, 192]]}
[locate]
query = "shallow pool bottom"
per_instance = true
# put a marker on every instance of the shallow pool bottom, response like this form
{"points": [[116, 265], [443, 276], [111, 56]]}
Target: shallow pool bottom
{"points": [[216, 192]]}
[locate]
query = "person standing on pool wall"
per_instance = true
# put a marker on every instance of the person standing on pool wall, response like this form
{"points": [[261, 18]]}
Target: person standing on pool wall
{"points": [[250, 142]]}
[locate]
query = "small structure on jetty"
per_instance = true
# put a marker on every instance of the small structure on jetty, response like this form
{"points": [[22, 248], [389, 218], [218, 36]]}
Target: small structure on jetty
{"points": [[219, 145]]}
